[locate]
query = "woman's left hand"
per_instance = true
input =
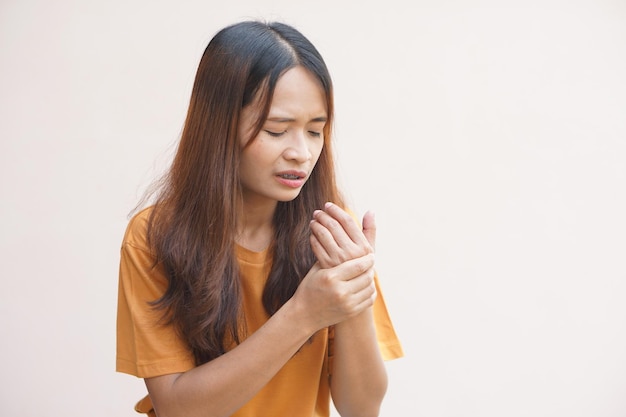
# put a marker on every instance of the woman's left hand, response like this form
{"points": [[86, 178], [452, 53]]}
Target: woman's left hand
{"points": [[336, 237]]}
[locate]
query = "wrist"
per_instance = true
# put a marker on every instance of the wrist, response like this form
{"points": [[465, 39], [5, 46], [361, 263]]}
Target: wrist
{"points": [[362, 321], [297, 314]]}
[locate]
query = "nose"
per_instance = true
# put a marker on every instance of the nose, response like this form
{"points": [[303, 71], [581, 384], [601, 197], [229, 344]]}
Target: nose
{"points": [[297, 147]]}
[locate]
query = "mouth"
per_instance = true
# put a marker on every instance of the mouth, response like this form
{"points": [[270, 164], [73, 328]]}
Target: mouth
{"points": [[292, 175], [292, 178]]}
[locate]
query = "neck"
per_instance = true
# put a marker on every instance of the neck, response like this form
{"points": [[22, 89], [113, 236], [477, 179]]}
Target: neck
{"points": [[255, 229]]}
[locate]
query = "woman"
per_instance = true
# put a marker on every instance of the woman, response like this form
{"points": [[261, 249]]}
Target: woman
{"points": [[243, 290]]}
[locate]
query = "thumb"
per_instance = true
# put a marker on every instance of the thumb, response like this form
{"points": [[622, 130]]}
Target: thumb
{"points": [[369, 228]]}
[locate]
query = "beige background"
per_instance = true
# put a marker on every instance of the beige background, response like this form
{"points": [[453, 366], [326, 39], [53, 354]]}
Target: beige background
{"points": [[489, 137]]}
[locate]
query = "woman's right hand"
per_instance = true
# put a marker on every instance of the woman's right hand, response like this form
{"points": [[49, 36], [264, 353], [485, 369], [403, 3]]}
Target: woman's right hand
{"points": [[329, 296]]}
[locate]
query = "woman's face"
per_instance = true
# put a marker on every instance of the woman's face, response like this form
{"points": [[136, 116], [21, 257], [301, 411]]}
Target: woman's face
{"points": [[279, 160]]}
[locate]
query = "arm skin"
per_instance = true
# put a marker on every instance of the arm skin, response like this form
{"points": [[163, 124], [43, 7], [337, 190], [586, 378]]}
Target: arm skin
{"points": [[359, 377], [225, 384]]}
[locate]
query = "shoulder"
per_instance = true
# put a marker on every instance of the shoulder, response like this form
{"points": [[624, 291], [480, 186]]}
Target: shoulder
{"points": [[137, 229]]}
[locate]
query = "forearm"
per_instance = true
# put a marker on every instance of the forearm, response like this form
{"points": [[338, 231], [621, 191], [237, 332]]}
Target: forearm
{"points": [[225, 384], [359, 377]]}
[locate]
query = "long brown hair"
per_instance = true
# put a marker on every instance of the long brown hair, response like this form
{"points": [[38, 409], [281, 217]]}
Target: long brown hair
{"points": [[193, 222]]}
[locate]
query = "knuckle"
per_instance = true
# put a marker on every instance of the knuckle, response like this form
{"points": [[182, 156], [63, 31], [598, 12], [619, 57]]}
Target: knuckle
{"points": [[341, 299], [343, 257], [334, 227], [327, 277], [374, 293]]}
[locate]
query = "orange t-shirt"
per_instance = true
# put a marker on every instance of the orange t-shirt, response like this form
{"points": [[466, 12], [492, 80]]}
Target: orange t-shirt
{"points": [[147, 348]]}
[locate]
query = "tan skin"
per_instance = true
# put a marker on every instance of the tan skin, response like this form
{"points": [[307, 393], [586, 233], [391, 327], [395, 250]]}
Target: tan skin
{"points": [[338, 290], [359, 380]]}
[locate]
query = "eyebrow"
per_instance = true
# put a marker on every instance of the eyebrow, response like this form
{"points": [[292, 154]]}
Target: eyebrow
{"points": [[321, 119]]}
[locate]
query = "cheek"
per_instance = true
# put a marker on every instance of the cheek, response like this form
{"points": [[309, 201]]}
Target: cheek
{"points": [[256, 150], [247, 164], [255, 155], [316, 151]]}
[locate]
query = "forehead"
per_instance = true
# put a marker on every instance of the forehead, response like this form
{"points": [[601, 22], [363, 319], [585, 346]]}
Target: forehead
{"points": [[299, 90], [298, 95]]}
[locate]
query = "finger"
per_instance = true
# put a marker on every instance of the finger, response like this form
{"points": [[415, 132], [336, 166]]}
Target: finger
{"points": [[369, 228], [352, 268], [362, 290], [365, 303], [338, 247], [335, 228], [348, 223], [325, 248], [320, 252], [362, 283], [324, 236]]}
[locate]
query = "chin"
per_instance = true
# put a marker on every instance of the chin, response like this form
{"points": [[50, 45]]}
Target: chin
{"points": [[288, 197]]}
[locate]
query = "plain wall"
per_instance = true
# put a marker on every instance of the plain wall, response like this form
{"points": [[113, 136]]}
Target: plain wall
{"points": [[488, 137]]}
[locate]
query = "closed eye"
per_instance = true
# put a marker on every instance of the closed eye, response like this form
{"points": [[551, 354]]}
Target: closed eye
{"points": [[275, 134], [315, 134]]}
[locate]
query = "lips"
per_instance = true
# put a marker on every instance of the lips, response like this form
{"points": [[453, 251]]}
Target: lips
{"points": [[291, 178], [292, 175]]}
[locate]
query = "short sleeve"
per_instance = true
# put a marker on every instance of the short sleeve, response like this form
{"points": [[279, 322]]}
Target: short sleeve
{"points": [[388, 341], [146, 345]]}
